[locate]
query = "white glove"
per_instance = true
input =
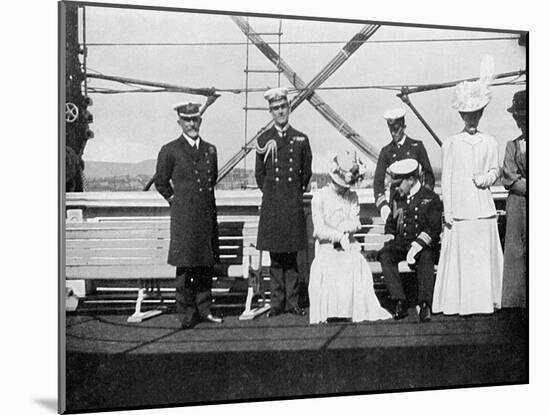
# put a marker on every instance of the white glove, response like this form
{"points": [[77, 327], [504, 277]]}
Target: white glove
{"points": [[448, 220], [345, 241], [413, 251], [385, 212], [484, 180]]}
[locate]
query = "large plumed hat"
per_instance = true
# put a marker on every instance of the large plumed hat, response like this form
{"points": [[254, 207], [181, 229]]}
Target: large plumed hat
{"points": [[472, 96], [345, 169]]}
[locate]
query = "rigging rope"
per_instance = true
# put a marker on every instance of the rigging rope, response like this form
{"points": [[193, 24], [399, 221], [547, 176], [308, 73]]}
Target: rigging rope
{"points": [[305, 42], [97, 90]]}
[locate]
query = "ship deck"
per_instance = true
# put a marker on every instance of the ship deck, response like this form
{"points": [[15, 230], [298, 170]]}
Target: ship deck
{"points": [[114, 364]]}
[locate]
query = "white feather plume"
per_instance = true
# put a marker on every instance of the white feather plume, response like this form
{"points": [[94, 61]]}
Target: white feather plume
{"points": [[487, 70], [474, 95]]}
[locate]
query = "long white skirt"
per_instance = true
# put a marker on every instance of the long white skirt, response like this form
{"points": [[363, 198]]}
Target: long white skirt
{"points": [[340, 285], [469, 274]]}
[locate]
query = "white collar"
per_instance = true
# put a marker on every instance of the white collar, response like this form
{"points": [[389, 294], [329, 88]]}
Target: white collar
{"points": [[281, 130], [400, 142], [414, 190], [192, 143]]}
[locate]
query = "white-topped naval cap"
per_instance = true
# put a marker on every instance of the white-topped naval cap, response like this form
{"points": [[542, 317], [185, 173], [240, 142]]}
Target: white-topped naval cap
{"points": [[394, 114], [275, 94], [403, 168], [187, 109]]}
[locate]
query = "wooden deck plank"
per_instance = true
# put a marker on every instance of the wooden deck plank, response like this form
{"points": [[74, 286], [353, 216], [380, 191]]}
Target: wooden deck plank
{"points": [[128, 272]]}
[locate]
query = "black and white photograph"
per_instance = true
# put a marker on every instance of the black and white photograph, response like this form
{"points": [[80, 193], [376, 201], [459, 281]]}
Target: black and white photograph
{"points": [[273, 207], [262, 207]]}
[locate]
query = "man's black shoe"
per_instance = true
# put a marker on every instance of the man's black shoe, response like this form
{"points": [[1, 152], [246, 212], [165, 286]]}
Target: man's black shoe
{"points": [[401, 310], [211, 319], [187, 325], [425, 313], [273, 312], [298, 311]]}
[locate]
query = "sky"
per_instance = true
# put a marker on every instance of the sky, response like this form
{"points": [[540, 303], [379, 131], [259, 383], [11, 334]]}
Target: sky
{"points": [[133, 127]]}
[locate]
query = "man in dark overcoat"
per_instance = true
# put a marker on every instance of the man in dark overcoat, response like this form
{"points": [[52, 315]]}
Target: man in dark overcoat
{"points": [[401, 147], [415, 223], [187, 170], [283, 171]]}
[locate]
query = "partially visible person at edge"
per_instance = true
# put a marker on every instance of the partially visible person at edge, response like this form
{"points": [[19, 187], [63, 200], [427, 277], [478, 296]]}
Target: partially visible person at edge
{"points": [[283, 171], [340, 283], [469, 274], [514, 178], [187, 170], [401, 147]]}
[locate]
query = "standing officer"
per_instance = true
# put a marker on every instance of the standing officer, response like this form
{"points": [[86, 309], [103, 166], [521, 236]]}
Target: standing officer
{"points": [[187, 170], [401, 147], [416, 225], [283, 170]]}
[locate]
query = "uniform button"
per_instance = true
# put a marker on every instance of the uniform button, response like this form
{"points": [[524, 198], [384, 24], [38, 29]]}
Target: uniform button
{"points": [[276, 179], [290, 160], [290, 169], [198, 180], [275, 160], [416, 216], [276, 169], [196, 171], [415, 208], [209, 170], [200, 190], [395, 155], [291, 150], [405, 225], [290, 179]]}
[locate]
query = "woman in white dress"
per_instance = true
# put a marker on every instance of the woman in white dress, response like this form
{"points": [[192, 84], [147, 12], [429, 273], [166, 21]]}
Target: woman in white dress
{"points": [[340, 284], [469, 275]]}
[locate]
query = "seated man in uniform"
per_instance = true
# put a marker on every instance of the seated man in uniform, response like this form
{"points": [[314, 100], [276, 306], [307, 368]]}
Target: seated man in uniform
{"points": [[415, 223]]}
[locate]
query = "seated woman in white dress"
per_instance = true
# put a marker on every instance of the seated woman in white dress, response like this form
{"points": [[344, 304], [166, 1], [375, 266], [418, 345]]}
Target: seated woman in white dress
{"points": [[340, 284]]}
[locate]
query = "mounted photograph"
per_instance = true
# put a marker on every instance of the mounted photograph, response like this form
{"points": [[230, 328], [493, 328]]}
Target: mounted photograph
{"points": [[263, 207]]}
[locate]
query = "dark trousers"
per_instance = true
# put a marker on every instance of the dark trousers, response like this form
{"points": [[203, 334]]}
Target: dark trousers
{"points": [[284, 280], [193, 292], [395, 251]]}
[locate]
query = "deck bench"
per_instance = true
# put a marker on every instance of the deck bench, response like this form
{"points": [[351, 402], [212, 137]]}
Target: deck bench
{"points": [[132, 254]]}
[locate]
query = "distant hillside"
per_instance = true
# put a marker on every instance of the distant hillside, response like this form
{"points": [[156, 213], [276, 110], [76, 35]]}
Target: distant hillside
{"points": [[114, 176], [96, 169]]}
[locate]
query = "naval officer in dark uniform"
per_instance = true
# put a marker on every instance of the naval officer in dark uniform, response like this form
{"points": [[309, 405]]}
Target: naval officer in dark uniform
{"points": [[283, 171], [415, 223], [401, 147], [187, 170]]}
